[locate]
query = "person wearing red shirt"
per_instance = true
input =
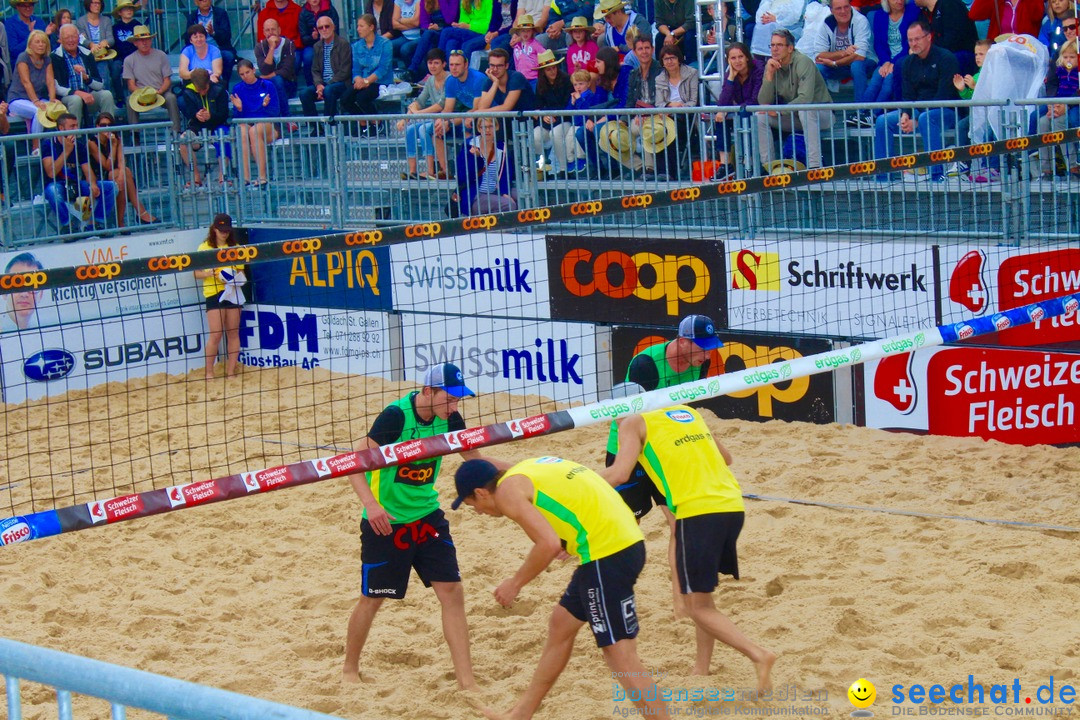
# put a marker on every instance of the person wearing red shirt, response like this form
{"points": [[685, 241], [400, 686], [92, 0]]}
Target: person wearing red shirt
{"points": [[287, 13]]}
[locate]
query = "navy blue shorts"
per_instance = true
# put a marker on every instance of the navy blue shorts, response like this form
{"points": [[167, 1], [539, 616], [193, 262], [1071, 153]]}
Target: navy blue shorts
{"points": [[601, 593], [639, 492], [705, 549], [424, 544]]}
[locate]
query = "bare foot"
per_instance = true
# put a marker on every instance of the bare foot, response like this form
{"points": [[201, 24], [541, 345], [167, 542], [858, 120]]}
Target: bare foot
{"points": [[763, 668], [699, 671], [350, 676], [208, 376], [492, 715]]}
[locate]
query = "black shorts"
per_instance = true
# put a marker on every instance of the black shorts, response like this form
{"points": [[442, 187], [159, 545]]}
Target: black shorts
{"points": [[705, 549], [212, 303], [424, 544], [639, 492], [601, 593]]}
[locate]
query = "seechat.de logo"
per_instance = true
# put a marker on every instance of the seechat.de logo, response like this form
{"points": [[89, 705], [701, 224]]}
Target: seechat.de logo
{"points": [[480, 222], [423, 230], [28, 280], [104, 271], [243, 253], [586, 208], [686, 194], [307, 245], [637, 201], [48, 365], [538, 215], [371, 237], [168, 262], [681, 416]]}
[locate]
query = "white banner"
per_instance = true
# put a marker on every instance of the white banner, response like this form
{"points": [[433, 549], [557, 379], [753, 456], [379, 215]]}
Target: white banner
{"points": [[111, 298], [830, 288], [346, 341], [552, 359], [498, 273]]}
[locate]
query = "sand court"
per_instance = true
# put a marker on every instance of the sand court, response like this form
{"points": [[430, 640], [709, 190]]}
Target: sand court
{"points": [[253, 595]]}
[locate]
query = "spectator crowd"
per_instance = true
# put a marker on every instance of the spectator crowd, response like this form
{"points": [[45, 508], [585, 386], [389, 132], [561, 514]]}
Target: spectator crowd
{"points": [[569, 58]]}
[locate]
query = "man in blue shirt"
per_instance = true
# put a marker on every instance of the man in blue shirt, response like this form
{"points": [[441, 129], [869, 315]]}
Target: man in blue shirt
{"points": [[463, 87], [372, 66], [21, 24], [506, 89], [66, 163]]}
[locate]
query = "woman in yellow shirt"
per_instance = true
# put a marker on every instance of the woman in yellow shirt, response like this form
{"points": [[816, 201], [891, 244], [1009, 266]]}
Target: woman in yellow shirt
{"points": [[222, 315]]}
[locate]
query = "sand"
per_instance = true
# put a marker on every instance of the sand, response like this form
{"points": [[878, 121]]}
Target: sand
{"points": [[252, 595]]}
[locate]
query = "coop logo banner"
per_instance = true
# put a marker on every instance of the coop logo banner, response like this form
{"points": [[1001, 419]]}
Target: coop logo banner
{"points": [[807, 399], [1017, 396], [47, 362], [635, 280], [474, 274], [354, 279], [99, 293], [348, 341], [830, 288], [551, 359]]}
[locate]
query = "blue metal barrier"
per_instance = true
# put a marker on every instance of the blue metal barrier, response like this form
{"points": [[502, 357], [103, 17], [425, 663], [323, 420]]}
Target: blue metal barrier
{"points": [[125, 687]]}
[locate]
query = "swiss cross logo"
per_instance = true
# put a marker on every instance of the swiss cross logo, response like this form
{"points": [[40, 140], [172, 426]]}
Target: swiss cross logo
{"points": [[968, 285], [176, 496], [97, 511], [389, 454], [514, 426], [250, 483], [321, 467], [895, 384]]}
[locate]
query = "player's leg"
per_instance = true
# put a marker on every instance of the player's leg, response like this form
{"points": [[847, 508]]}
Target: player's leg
{"points": [[622, 658], [456, 630], [705, 615], [356, 635], [562, 629]]}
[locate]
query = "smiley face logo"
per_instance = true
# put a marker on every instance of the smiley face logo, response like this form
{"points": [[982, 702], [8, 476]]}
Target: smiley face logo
{"points": [[862, 695]]}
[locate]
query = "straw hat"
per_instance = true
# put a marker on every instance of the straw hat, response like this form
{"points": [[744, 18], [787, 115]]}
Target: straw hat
{"points": [[104, 53], [145, 99], [13, 3], [657, 132], [525, 22], [579, 23], [49, 114], [615, 140], [606, 7], [546, 59], [141, 32], [121, 4], [784, 166]]}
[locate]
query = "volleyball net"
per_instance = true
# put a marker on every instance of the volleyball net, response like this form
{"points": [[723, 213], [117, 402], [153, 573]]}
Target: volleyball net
{"points": [[107, 416]]}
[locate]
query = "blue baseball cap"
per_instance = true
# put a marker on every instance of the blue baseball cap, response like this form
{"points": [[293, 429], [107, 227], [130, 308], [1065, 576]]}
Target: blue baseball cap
{"points": [[701, 330], [448, 377], [470, 477]]}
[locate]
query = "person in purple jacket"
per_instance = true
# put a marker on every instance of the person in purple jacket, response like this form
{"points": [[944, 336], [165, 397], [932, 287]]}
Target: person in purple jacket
{"points": [[741, 87], [891, 47], [254, 97], [434, 16]]}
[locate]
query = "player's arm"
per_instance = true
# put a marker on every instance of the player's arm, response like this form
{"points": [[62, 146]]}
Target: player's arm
{"points": [[385, 430], [514, 500], [631, 441], [644, 372], [724, 451]]}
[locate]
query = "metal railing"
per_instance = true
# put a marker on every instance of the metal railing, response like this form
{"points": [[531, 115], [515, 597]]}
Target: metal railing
{"points": [[125, 687], [357, 171]]}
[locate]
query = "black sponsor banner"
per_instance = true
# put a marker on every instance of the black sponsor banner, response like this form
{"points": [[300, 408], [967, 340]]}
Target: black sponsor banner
{"points": [[806, 399], [619, 280]]}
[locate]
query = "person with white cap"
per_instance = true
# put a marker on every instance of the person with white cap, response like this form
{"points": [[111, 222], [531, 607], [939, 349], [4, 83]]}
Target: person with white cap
{"points": [[564, 506], [402, 526]]}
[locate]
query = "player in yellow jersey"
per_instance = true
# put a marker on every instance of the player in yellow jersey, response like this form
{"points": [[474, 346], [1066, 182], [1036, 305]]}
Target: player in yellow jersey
{"points": [[562, 503], [685, 463]]}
